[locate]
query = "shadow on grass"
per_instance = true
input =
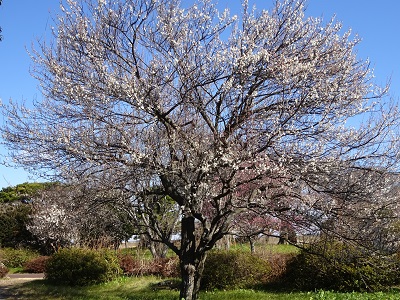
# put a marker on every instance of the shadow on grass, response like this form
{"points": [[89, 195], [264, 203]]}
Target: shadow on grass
{"points": [[151, 288], [137, 288], [124, 288]]}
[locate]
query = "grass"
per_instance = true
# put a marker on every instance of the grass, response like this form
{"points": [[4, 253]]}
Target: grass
{"points": [[263, 248], [144, 288], [282, 249], [16, 270]]}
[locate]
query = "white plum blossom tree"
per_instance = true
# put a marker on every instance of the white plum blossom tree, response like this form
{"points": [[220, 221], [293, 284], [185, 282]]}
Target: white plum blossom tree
{"points": [[63, 215], [223, 114]]}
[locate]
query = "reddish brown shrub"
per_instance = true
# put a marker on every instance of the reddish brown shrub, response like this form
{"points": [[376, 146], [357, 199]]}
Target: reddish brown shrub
{"points": [[3, 270], [165, 267], [36, 265], [162, 267], [131, 266], [278, 263]]}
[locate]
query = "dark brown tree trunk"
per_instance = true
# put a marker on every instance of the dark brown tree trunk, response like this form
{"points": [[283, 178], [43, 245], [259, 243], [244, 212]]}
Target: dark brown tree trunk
{"points": [[191, 261], [251, 241]]}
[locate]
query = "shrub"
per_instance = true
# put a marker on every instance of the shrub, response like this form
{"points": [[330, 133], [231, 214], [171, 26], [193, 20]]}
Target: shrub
{"points": [[16, 258], [36, 265], [278, 263], [3, 270], [162, 267], [165, 267], [77, 266], [128, 264], [234, 269], [338, 267]]}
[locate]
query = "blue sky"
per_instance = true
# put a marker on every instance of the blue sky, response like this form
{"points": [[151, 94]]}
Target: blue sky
{"points": [[376, 22]]}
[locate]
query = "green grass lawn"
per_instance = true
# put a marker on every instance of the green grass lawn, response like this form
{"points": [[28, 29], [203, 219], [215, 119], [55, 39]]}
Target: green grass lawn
{"points": [[145, 288]]}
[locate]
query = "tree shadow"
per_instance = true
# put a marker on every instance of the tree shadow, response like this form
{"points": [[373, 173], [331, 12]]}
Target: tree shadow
{"points": [[43, 289]]}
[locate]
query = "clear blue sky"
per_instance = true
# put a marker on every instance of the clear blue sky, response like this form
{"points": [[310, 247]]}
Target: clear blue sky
{"points": [[376, 22]]}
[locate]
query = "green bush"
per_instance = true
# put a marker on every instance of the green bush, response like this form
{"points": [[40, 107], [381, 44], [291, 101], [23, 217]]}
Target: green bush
{"points": [[16, 258], [78, 266], [335, 266], [233, 270]]}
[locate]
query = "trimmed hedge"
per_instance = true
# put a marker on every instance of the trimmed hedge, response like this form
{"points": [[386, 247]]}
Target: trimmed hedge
{"points": [[81, 267], [227, 270]]}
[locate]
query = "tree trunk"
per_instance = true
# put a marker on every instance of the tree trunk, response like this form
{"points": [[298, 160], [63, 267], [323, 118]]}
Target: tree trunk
{"points": [[251, 241], [283, 238], [158, 250], [191, 278], [191, 261]]}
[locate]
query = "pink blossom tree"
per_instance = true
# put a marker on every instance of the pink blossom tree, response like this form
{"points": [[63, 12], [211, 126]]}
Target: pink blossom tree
{"points": [[251, 226]]}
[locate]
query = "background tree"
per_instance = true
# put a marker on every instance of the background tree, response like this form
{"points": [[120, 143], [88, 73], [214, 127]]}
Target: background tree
{"points": [[65, 214], [203, 105], [14, 220], [251, 226], [23, 192], [15, 215], [156, 219]]}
